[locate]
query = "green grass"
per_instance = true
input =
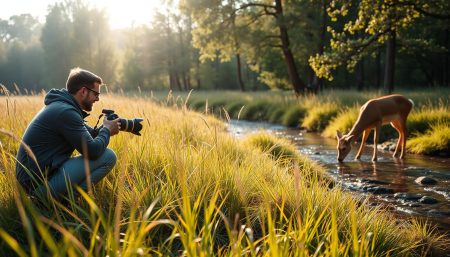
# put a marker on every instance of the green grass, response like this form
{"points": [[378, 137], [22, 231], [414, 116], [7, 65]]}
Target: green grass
{"points": [[343, 121], [435, 141], [186, 187], [319, 116]]}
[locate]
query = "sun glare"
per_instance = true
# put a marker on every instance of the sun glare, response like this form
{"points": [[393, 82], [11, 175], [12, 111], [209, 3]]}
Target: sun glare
{"points": [[121, 14]]}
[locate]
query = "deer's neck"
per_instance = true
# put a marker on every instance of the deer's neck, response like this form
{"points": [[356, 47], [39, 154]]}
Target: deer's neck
{"points": [[358, 128]]}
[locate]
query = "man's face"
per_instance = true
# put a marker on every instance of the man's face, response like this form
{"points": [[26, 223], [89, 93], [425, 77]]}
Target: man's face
{"points": [[90, 97]]}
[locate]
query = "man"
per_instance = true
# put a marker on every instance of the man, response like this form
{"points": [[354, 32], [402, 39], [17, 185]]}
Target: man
{"points": [[57, 130]]}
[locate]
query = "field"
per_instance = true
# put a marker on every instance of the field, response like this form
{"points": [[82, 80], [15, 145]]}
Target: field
{"points": [[187, 188], [335, 110]]}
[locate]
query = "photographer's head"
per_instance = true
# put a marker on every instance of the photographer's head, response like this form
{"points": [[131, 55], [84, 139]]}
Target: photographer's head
{"points": [[84, 86]]}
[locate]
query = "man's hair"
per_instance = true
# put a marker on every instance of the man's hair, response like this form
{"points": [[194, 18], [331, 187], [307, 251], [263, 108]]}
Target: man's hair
{"points": [[79, 78]]}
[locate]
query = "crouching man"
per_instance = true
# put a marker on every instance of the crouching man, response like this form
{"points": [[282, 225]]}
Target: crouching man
{"points": [[56, 131]]}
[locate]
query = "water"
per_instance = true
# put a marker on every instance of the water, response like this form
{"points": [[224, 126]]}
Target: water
{"points": [[389, 182]]}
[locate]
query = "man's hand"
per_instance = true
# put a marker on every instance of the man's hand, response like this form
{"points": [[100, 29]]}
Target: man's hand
{"points": [[112, 125]]}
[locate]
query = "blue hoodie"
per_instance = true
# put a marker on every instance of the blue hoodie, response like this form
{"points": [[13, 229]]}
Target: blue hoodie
{"points": [[53, 134]]}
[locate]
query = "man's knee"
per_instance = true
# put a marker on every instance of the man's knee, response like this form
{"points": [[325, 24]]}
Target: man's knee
{"points": [[109, 157]]}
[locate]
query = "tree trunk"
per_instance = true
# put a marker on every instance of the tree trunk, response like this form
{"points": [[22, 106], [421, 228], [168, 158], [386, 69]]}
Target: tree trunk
{"points": [[239, 71], [177, 81], [446, 70], [378, 65], [217, 75], [389, 70], [360, 75], [197, 74], [298, 85]]}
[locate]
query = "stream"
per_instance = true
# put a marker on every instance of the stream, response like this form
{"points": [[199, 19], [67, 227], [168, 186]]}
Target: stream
{"points": [[390, 182]]}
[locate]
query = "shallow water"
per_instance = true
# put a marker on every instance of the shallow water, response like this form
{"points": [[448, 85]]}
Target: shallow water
{"points": [[389, 182]]}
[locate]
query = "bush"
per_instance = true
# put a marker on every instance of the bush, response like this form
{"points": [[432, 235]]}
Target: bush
{"points": [[422, 120], [435, 141], [319, 117], [294, 115], [256, 111], [278, 148]]}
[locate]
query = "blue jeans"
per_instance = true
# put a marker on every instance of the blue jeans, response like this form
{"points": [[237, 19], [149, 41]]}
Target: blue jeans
{"points": [[73, 172]]}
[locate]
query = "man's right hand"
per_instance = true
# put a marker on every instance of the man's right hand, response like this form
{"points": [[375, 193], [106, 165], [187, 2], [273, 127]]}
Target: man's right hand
{"points": [[112, 125]]}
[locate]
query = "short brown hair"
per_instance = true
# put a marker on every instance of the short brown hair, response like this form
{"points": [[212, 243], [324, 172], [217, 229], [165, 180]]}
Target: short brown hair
{"points": [[79, 78]]}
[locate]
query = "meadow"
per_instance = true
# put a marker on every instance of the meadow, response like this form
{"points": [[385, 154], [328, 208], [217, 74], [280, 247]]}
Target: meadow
{"points": [[187, 188], [428, 123]]}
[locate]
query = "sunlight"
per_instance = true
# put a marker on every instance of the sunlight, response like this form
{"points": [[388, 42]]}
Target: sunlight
{"points": [[121, 14], [124, 14]]}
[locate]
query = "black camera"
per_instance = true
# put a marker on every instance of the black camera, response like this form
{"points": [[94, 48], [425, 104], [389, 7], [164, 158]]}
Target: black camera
{"points": [[134, 126]]}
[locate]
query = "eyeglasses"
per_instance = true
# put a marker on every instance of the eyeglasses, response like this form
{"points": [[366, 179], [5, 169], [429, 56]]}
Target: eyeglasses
{"points": [[97, 94]]}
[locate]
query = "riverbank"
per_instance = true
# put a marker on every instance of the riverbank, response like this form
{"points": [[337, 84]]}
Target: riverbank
{"points": [[428, 124], [186, 187]]}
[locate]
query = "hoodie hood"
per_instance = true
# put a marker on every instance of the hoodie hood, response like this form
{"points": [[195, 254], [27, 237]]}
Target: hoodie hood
{"points": [[62, 95]]}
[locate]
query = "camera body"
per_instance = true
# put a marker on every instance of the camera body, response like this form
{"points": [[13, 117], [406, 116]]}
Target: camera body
{"points": [[133, 126]]}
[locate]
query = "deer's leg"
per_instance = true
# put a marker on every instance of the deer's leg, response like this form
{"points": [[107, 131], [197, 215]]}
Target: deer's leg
{"points": [[375, 141], [397, 127], [363, 141], [403, 135]]}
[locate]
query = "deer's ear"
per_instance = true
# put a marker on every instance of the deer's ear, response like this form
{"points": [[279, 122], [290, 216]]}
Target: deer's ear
{"points": [[338, 134], [349, 137]]}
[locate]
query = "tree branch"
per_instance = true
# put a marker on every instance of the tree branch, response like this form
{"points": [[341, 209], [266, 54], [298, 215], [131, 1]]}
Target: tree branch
{"points": [[419, 9], [265, 6]]}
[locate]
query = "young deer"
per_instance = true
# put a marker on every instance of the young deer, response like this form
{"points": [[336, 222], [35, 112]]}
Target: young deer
{"points": [[376, 112]]}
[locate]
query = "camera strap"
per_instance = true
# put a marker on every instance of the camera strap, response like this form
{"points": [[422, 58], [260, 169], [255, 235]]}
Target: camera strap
{"points": [[99, 117]]}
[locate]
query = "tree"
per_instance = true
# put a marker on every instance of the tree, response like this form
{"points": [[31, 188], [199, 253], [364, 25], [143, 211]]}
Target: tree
{"points": [[77, 35], [244, 18], [21, 61], [375, 23]]}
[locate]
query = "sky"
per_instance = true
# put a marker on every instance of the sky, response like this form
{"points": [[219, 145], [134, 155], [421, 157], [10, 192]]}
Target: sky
{"points": [[121, 13]]}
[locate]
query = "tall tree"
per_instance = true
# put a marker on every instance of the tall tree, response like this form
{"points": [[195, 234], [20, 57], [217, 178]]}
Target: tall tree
{"points": [[77, 35], [255, 15]]}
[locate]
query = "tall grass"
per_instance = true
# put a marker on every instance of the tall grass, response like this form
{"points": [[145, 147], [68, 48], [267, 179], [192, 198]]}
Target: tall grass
{"points": [[185, 187]]}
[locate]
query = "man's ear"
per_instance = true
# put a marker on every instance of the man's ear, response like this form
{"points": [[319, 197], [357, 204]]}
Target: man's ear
{"points": [[338, 134]]}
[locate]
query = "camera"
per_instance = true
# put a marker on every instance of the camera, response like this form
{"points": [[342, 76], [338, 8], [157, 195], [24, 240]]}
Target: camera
{"points": [[133, 126]]}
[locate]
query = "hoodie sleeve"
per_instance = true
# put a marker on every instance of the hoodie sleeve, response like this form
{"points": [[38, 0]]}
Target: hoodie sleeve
{"points": [[73, 129]]}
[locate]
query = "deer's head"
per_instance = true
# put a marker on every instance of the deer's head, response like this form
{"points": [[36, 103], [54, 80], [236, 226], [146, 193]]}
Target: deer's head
{"points": [[344, 145]]}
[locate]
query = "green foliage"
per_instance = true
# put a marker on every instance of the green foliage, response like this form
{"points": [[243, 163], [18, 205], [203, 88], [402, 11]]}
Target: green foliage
{"points": [[360, 28]]}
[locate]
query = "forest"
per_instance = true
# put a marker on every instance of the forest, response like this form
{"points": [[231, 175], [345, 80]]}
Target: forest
{"points": [[298, 45]]}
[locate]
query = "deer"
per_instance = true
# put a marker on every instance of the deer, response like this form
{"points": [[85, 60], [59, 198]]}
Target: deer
{"points": [[393, 109]]}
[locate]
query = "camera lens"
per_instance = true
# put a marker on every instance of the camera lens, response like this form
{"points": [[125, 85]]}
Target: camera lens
{"points": [[134, 126]]}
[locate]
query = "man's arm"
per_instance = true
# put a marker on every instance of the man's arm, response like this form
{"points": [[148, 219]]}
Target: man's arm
{"points": [[92, 131], [74, 130]]}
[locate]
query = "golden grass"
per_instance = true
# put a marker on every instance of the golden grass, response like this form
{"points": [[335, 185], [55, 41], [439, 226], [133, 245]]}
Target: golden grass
{"points": [[185, 187]]}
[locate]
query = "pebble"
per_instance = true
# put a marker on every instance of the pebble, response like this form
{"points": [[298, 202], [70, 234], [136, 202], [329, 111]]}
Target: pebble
{"points": [[408, 197], [428, 200], [437, 213], [425, 180]]}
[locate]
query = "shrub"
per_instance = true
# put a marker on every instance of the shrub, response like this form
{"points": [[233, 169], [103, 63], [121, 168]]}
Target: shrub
{"points": [[423, 119], [318, 117], [434, 141], [293, 116]]}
